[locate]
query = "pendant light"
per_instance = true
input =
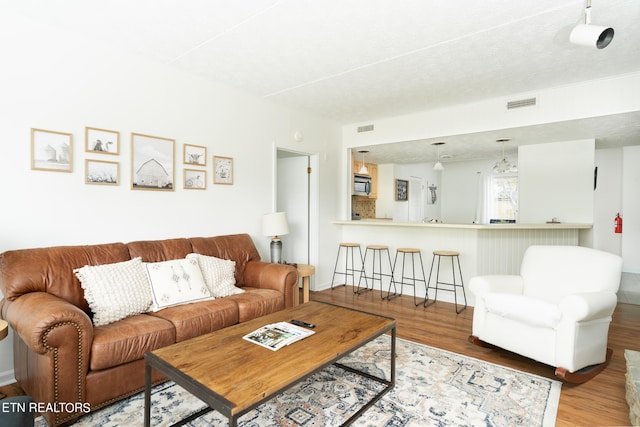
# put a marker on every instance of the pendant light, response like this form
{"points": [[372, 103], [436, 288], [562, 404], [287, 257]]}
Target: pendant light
{"points": [[438, 166], [503, 165], [363, 169]]}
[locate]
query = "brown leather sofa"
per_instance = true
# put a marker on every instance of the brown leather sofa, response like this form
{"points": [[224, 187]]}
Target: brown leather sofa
{"points": [[61, 359]]}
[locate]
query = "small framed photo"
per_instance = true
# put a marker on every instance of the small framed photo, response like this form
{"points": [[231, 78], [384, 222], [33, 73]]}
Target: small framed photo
{"points": [[152, 160], [195, 155], [222, 170], [402, 190], [101, 141], [101, 172], [51, 150], [195, 179]]}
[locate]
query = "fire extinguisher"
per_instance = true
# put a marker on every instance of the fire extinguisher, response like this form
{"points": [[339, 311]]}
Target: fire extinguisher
{"points": [[618, 223]]}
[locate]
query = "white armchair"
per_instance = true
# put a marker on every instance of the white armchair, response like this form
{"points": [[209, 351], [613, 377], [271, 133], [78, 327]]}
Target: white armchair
{"points": [[557, 311]]}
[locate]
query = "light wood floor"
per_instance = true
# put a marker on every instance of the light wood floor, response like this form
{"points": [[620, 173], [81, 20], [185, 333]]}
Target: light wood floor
{"points": [[598, 402]]}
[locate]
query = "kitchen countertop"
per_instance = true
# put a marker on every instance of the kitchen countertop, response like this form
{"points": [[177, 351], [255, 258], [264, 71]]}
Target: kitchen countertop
{"points": [[543, 226]]}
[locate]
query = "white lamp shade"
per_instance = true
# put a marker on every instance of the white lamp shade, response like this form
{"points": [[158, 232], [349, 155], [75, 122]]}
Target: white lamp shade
{"points": [[275, 224]]}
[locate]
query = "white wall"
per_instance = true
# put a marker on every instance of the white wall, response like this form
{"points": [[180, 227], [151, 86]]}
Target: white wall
{"points": [[54, 80], [607, 200], [631, 209], [460, 190], [556, 181]]}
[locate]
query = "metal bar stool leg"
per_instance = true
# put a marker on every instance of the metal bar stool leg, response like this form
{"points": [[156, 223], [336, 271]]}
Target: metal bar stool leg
{"points": [[393, 282], [363, 273]]}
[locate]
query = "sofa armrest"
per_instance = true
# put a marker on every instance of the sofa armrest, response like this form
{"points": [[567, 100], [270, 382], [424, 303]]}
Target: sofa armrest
{"points": [[588, 306], [53, 338], [502, 283], [279, 277]]}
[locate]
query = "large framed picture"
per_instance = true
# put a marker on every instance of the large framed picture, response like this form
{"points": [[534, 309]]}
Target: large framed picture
{"points": [[51, 150], [222, 170], [195, 179], [102, 141], [101, 172], [152, 162], [195, 155], [402, 190]]}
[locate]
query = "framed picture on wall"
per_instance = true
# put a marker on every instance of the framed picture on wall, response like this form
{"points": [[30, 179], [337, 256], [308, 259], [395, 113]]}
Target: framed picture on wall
{"points": [[402, 190], [195, 155], [152, 162], [101, 172], [101, 141], [51, 150], [195, 179], [222, 170]]}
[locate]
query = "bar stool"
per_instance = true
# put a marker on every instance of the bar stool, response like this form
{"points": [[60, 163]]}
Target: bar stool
{"points": [[407, 280], [376, 273], [452, 287], [349, 268]]}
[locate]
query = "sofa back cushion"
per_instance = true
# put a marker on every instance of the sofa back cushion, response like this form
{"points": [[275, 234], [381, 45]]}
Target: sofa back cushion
{"points": [[235, 247], [51, 270], [159, 250]]}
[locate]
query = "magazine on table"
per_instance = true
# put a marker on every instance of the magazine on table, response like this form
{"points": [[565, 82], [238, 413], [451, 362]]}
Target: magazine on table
{"points": [[277, 335]]}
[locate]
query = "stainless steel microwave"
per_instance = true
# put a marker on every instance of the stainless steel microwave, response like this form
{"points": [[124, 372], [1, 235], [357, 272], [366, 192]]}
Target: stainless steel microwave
{"points": [[361, 185]]}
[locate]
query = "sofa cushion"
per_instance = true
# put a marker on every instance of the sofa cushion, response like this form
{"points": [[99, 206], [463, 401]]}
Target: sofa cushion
{"points": [[257, 302], [199, 318], [175, 282], [115, 291], [128, 340], [532, 311], [219, 274]]}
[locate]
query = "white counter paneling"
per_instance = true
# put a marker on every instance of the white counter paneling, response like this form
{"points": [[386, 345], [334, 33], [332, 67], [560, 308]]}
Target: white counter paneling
{"points": [[484, 249]]}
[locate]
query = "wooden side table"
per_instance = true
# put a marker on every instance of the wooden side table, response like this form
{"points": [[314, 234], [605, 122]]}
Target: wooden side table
{"points": [[304, 271], [4, 329]]}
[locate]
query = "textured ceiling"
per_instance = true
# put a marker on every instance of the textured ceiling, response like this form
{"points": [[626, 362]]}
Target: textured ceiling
{"points": [[357, 60]]}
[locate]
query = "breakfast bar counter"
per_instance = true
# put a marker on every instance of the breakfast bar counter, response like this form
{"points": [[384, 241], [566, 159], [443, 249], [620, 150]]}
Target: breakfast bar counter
{"points": [[484, 248]]}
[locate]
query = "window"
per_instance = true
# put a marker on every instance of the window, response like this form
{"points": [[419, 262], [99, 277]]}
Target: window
{"points": [[503, 196]]}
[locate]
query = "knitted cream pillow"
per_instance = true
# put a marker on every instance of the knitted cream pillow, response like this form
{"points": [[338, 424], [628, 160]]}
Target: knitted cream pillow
{"points": [[115, 291], [219, 274]]}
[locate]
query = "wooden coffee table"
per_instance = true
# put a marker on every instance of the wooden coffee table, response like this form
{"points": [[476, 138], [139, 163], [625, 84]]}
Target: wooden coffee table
{"points": [[234, 376]]}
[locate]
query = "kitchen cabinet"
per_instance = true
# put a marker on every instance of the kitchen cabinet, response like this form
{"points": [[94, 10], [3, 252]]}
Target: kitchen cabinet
{"points": [[373, 173]]}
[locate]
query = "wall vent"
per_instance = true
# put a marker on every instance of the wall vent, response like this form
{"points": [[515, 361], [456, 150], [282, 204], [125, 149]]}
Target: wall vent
{"points": [[367, 128], [529, 102]]}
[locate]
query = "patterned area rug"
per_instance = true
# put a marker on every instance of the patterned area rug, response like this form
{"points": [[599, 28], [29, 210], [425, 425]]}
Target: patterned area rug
{"points": [[433, 388]]}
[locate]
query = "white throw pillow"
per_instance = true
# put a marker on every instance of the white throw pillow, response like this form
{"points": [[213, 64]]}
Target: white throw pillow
{"points": [[115, 291], [175, 282], [219, 274]]}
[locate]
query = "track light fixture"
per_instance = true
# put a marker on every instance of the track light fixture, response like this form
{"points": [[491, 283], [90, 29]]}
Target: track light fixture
{"points": [[591, 35]]}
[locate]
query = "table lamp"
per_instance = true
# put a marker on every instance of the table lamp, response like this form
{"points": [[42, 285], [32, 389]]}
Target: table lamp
{"points": [[274, 225]]}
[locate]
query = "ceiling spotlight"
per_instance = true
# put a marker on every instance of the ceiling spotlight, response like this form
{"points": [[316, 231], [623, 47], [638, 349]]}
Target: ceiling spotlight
{"points": [[438, 166], [591, 35]]}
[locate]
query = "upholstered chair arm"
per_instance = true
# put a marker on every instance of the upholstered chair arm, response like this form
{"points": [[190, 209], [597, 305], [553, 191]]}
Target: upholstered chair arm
{"points": [[279, 277], [36, 315], [588, 306], [53, 338], [511, 284]]}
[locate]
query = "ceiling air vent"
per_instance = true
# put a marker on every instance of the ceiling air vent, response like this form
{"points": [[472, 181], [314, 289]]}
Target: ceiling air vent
{"points": [[529, 102], [367, 128]]}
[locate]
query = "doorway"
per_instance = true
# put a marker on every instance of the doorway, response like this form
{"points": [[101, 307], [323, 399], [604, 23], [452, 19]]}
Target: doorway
{"points": [[294, 196]]}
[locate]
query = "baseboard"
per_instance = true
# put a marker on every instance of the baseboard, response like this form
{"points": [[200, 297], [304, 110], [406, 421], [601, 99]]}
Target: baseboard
{"points": [[7, 377]]}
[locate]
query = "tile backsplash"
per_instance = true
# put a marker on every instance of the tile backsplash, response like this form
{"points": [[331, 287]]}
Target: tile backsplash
{"points": [[365, 207]]}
